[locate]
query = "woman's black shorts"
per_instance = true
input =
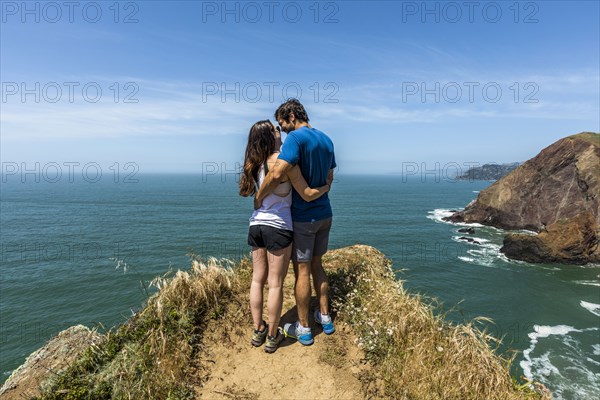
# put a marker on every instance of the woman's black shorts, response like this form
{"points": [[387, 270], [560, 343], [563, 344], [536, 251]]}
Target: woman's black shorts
{"points": [[272, 238]]}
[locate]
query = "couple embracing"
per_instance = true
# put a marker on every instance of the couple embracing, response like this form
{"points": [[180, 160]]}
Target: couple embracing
{"points": [[288, 223]]}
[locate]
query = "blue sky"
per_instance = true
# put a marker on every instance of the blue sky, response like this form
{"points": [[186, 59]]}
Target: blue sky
{"points": [[389, 82]]}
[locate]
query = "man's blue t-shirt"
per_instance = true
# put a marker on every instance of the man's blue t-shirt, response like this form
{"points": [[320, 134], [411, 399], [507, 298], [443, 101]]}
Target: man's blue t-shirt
{"points": [[312, 150]]}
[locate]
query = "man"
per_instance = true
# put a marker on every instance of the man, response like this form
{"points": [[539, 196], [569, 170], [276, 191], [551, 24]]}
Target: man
{"points": [[313, 151]]}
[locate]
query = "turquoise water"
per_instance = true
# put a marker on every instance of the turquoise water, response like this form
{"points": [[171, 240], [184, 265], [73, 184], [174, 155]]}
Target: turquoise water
{"points": [[59, 242]]}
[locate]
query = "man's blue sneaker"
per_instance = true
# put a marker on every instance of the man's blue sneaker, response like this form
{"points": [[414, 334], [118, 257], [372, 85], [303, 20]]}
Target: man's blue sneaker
{"points": [[328, 327], [301, 334]]}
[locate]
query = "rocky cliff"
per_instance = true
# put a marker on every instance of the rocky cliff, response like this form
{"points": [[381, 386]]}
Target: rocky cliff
{"points": [[555, 194], [53, 358]]}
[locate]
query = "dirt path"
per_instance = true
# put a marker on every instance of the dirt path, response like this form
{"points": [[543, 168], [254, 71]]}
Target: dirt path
{"points": [[328, 369]]}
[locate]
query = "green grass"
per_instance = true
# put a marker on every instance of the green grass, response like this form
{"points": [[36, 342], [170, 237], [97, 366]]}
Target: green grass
{"points": [[591, 137]]}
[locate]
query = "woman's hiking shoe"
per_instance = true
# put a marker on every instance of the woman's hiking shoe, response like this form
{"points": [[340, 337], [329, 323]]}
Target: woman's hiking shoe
{"points": [[272, 343], [299, 333], [325, 322], [259, 337]]}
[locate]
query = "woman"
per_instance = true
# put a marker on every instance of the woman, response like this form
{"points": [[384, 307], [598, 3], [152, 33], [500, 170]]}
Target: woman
{"points": [[270, 233]]}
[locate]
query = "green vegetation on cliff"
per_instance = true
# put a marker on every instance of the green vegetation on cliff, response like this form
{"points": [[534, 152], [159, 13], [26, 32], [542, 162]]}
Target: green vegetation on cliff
{"points": [[152, 356]]}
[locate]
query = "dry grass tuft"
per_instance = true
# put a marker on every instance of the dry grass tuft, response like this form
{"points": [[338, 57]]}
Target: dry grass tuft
{"points": [[152, 355], [416, 352]]}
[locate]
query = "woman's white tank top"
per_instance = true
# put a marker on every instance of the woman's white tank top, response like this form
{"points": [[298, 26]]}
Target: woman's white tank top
{"points": [[276, 207]]}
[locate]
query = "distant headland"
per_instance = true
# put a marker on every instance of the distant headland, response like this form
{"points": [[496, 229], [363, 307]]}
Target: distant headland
{"points": [[487, 172]]}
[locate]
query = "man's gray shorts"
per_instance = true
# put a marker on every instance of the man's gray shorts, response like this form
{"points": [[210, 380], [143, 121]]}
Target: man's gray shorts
{"points": [[310, 239]]}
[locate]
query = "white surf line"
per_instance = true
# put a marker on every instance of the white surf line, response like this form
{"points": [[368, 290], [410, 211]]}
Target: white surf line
{"points": [[591, 307], [543, 331], [588, 283]]}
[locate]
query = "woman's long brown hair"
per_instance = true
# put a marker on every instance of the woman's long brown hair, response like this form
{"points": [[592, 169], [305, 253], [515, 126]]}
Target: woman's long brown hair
{"points": [[261, 144]]}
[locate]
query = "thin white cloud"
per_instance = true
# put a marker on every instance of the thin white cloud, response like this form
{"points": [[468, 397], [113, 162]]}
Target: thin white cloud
{"points": [[179, 108]]}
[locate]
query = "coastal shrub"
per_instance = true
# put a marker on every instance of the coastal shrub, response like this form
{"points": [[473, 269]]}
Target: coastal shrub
{"points": [[152, 354], [416, 352]]}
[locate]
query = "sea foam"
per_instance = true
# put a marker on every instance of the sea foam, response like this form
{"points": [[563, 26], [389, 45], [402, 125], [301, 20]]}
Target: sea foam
{"points": [[440, 213], [542, 368], [588, 283], [591, 307]]}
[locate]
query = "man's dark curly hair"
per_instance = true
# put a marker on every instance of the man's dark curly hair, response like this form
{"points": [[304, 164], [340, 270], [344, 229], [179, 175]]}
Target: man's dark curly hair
{"points": [[291, 106]]}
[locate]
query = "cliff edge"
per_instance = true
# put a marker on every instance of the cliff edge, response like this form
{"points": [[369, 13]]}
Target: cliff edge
{"points": [[191, 340]]}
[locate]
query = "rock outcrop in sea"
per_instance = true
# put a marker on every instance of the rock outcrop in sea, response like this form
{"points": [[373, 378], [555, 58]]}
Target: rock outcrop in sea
{"points": [[556, 194]]}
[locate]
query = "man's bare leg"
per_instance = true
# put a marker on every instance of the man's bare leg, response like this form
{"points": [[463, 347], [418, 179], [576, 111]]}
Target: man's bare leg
{"points": [[302, 291], [321, 284]]}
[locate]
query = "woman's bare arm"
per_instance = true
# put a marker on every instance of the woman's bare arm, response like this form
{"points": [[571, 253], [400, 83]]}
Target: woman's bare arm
{"points": [[299, 183]]}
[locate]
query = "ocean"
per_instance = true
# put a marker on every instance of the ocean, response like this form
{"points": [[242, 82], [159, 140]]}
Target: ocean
{"points": [[84, 252]]}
